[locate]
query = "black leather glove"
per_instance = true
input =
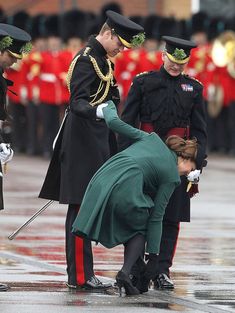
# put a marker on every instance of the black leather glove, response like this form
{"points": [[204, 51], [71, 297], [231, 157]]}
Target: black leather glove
{"points": [[151, 267]]}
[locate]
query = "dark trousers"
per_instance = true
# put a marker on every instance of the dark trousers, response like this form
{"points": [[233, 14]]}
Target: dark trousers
{"points": [[219, 131], [1, 190], [19, 127], [78, 252], [231, 110], [50, 117], [170, 232], [34, 140]]}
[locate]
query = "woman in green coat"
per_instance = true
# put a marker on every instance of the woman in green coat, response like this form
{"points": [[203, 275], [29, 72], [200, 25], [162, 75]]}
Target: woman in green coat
{"points": [[125, 200]]}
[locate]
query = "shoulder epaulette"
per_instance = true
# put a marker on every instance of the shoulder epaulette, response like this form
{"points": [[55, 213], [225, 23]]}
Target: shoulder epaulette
{"points": [[134, 55], [26, 57], [193, 78], [70, 70], [142, 73], [86, 51], [36, 56]]}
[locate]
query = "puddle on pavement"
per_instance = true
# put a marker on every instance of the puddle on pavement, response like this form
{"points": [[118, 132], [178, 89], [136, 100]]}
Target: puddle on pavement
{"points": [[40, 286], [46, 273], [160, 305]]}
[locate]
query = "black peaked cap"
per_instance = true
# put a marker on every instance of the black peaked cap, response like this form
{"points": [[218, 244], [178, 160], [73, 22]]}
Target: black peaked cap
{"points": [[123, 27], [19, 36], [173, 45]]}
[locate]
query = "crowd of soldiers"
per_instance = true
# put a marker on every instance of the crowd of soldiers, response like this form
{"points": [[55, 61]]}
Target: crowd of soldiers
{"points": [[39, 97]]}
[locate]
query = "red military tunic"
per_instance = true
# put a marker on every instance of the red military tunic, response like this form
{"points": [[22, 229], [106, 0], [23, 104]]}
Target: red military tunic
{"points": [[49, 83], [201, 66], [65, 58], [14, 74], [30, 71], [126, 68], [150, 60]]}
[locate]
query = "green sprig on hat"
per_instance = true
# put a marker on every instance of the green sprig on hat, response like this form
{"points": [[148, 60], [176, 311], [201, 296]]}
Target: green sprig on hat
{"points": [[5, 43], [179, 54], [26, 48], [137, 40]]}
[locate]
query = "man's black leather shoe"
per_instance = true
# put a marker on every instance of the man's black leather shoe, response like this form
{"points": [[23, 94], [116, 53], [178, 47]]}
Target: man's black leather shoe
{"points": [[91, 284], [162, 281], [4, 287], [95, 283]]}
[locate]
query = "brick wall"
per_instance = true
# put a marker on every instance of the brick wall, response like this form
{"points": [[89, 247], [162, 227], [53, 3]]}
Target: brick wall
{"points": [[179, 8]]}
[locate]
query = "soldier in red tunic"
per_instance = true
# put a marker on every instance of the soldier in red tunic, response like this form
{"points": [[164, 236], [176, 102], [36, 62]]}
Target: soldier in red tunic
{"points": [[150, 55], [30, 85], [50, 85]]}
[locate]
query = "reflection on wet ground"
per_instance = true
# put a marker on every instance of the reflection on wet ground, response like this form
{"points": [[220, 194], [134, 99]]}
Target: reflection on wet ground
{"points": [[34, 262]]}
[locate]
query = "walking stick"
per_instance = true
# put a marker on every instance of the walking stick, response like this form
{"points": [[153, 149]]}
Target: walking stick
{"points": [[16, 232]]}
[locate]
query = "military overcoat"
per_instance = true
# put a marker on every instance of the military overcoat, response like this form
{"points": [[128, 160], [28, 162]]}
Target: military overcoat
{"points": [[168, 102], [84, 142]]}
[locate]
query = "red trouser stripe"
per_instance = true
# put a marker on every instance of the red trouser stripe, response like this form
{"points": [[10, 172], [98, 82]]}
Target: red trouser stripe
{"points": [[79, 259]]}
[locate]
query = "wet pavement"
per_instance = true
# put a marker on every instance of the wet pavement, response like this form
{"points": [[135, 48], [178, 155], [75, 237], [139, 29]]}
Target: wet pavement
{"points": [[33, 264]]}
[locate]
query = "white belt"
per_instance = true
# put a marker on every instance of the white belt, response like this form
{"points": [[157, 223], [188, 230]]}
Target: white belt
{"points": [[48, 77], [126, 75]]}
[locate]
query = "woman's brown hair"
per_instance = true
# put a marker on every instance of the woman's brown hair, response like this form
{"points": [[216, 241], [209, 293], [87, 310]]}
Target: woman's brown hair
{"points": [[187, 149]]}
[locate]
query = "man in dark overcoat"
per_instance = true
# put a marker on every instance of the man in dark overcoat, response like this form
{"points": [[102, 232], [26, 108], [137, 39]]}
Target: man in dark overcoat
{"points": [[169, 103], [13, 42], [84, 142]]}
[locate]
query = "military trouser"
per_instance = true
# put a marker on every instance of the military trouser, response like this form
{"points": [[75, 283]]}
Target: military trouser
{"points": [[170, 232], [78, 252]]}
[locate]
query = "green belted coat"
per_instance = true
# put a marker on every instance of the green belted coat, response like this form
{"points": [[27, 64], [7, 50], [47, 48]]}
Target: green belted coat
{"points": [[129, 193]]}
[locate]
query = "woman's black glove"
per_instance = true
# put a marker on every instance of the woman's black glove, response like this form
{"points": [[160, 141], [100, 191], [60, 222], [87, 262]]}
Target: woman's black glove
{"points": [[152, 266]]}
